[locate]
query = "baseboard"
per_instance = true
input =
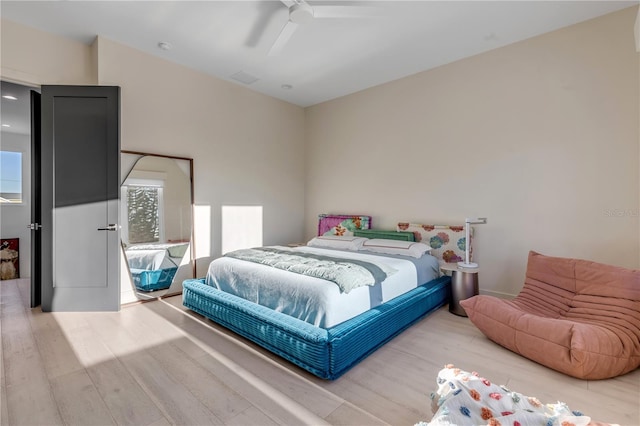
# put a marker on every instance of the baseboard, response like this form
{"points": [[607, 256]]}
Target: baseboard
{"points": [[128, 296], [498, 294]]}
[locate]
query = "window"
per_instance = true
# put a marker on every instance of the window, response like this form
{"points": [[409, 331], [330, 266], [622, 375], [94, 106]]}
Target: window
{"points": [[143, 209], [10, 177]]}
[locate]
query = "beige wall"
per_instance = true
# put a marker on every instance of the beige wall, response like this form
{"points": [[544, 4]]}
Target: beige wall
{"points": [[35, 57], [248, 148], [540, 136]]}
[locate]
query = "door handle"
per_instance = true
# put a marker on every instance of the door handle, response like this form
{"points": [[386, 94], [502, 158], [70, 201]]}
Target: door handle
{"points": [[111, 227], [34, 226]]}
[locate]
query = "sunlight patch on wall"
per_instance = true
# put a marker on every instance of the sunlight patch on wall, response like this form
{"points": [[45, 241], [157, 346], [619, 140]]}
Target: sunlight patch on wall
{"points": [[241, 227], [202, 222]]}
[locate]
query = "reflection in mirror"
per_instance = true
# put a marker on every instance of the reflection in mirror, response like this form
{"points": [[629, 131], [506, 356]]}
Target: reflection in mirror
{"points": [[156, 224]]}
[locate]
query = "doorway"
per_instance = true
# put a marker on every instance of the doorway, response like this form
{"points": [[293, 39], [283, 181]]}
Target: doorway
{"points": [[79, 147], [15, 174]]}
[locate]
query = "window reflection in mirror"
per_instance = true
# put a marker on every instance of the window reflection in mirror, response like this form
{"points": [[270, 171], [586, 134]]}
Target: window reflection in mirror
{"points": [[156, 224]]}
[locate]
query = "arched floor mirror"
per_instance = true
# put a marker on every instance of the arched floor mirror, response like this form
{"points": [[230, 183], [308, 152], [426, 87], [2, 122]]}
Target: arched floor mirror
{"points": [[156, 225]]}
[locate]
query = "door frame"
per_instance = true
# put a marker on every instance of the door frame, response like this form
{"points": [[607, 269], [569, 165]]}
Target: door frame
{"points": [[36, 209]]}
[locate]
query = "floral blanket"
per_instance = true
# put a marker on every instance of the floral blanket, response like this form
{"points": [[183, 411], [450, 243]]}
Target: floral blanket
{"points": [[465, 398]]}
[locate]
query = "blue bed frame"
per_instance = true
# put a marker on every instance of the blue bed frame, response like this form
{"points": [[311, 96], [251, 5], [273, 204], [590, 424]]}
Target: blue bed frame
{"points": [[327, 353]]}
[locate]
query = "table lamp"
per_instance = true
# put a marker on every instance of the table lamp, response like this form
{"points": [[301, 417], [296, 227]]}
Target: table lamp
{"points": [[467, 241]]}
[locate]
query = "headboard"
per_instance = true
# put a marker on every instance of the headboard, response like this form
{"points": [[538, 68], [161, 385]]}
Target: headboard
{"points": [[447, 242], [342, 224]]}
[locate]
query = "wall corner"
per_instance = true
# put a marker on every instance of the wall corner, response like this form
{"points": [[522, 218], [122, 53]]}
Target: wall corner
{"points": [[93, 65], [636, 31]]}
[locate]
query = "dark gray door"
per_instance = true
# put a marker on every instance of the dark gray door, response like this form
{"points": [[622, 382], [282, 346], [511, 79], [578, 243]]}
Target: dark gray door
{"points": [[36, 216], [80, 179]]}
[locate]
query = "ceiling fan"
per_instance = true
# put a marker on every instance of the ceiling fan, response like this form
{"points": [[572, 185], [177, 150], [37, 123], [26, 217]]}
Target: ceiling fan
{"points": [[302, 13]]}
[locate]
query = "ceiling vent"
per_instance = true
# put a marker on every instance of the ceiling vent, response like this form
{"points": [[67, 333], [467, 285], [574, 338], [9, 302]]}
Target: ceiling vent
{"points": [[245, 78]]}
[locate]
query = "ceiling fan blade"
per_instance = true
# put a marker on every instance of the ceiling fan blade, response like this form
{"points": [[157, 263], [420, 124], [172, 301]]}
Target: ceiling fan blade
{"points": [[335, 11], [283, 38], [288, 3], [266, 10]]}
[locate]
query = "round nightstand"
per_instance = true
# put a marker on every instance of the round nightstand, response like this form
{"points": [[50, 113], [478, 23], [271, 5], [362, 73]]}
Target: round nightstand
{"points": [[464, 284]]}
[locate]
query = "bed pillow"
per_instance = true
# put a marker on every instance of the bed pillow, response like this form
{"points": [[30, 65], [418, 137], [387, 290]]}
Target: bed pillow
{"points": [[337, 242], [404, 248], [342, 224]]}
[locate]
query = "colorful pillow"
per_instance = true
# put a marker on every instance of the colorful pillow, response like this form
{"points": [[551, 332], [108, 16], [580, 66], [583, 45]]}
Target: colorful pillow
{"points": [[340, 224], [337, 242], [466, 398], [403, 248], [447, 242]]}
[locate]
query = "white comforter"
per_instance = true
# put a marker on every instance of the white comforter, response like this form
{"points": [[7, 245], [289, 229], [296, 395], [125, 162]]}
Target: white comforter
{"points": [[153, 256], [310, 299], [149, 259]]}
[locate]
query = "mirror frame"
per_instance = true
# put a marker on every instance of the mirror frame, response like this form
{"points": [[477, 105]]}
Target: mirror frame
{"points": [[192, 194]]}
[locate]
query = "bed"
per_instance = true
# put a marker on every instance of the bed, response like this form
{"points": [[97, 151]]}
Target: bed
{"points": [[154, 265], [330, 338]]}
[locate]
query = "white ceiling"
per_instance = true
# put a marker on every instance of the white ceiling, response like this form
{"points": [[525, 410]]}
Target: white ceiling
{"points": [[325, 58]]}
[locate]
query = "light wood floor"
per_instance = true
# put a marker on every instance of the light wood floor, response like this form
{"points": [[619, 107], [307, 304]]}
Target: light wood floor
{"points": [[158, 364]]}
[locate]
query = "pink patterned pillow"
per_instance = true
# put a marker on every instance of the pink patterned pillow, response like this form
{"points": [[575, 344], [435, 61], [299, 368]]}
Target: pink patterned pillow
{"points": [[341, 224]]}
